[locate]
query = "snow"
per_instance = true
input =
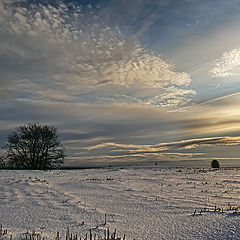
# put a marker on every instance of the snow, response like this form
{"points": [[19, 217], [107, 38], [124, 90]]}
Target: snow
{"points": [[142, 203]]}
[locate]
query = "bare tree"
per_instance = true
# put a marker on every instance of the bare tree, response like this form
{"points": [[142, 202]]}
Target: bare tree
{"points": [[34, 146]]}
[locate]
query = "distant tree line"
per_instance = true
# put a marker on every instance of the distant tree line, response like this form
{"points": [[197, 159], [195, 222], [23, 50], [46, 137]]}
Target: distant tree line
{"points": [[33, 146]]}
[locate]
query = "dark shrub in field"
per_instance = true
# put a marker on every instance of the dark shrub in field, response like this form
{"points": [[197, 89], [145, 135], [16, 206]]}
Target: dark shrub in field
{"points": [[215, 164]]}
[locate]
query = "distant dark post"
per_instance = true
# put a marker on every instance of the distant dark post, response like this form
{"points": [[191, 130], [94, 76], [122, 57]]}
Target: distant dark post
{"points": [[215, 164]]}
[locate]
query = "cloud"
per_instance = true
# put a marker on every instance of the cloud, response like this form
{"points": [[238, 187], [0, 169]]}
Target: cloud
{"points": [[228, 65], [131, 123], [60, 53], [161, 151], [110, 152], [162, 147]]}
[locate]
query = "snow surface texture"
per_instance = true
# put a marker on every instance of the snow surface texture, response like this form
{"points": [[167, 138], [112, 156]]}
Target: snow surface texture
{"points": [[143, 203]]}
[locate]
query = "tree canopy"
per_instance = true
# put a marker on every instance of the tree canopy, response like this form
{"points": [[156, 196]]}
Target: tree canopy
{"points": [[34, 146]]}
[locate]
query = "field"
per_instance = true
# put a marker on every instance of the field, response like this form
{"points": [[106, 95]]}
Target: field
{"points": [[142, 203]]}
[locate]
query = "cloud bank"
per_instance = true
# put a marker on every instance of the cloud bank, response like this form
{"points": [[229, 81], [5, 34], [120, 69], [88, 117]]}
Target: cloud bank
{"points": [[68, 52]]}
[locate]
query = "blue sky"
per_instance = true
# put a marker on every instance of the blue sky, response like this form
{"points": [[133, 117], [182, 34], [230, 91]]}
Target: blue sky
{"points": [[125, 81]]}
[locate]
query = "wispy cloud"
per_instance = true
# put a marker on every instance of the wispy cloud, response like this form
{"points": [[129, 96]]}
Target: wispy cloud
{"points": [[184, 144], [228, 65]]}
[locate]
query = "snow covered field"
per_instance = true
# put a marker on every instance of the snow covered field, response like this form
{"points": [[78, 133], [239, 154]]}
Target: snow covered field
{"points": [[142, 203]]}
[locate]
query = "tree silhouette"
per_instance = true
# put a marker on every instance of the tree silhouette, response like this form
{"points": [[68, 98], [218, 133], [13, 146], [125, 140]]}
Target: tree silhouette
{"points": [[215, 164], [34, 146]]}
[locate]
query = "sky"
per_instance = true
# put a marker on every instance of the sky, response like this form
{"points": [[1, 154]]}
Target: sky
{"points": [[125, 82]]}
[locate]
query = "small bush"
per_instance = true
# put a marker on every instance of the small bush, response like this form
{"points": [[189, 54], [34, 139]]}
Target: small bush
{"points": [[215, 164]]}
